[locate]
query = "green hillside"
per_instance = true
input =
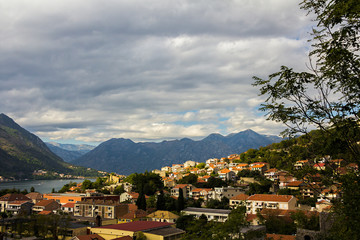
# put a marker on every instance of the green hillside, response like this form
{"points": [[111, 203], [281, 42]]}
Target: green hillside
{"points": [[315, 144], [21, 153]]}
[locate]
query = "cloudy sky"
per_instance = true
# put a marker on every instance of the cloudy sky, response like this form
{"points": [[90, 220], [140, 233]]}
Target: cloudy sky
{"points": [[90, 70]]}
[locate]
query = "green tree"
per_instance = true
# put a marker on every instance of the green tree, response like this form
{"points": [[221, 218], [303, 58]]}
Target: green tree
{"points": [[86, 184], [119, 190], [189, 179], [326, 97], [32, 189]]}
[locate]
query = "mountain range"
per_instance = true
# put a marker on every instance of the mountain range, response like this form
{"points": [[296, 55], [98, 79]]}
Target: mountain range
{"points": [[21, 153], [69, 152], [124, 156]]}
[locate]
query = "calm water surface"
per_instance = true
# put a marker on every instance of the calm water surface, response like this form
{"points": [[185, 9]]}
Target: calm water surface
{"points": [[41, 186]]}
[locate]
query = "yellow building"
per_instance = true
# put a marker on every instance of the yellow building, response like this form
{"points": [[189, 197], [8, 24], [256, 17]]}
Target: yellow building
{"points": [[163, 216], [151, 230]]}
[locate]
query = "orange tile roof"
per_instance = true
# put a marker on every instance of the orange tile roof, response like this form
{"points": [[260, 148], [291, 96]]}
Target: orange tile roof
{"points": [[44, 203], [69, 205], [258, 166], [201, 189], [225, 170], [35, 195], [45, 212], [294, 184], [302, 161], [181, 185], [13, 197], [271, 170], [242, 165], [90, 237], [270, 198], [280, 236], [241, 197], [18, 202]]}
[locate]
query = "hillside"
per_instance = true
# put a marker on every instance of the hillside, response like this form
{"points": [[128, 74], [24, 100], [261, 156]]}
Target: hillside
{"points": [[22, 152], [314, 145], [125, 156]]}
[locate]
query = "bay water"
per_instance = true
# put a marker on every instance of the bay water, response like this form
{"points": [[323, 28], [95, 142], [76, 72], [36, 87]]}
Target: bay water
{"points": [[41, 186]]}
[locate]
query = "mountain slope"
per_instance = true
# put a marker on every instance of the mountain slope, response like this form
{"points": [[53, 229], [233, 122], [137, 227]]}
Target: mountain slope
{"points": [[69, 152], [22, 152], [125, 156]]}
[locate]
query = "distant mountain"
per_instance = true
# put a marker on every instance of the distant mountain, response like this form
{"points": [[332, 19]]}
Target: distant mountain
{"points": [[22, 152], [69, 152], [125, 156]]}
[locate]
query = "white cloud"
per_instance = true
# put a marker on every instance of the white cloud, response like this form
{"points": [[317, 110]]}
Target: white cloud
{"points": [[93, 70]]}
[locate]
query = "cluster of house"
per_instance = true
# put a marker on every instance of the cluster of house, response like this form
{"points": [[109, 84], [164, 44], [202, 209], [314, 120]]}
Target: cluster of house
{"points": [[117, 216], [227, 168], [109, 217], [42, 172]]}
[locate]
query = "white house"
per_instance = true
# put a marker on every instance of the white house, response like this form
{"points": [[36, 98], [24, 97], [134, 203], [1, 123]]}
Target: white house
{"points": [[258, 202]]}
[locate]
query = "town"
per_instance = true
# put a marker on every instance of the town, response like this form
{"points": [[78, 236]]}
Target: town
{"points": [[179, 201]]}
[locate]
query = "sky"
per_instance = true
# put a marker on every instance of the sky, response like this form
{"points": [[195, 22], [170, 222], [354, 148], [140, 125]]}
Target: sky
{"points": [[86, 71]]}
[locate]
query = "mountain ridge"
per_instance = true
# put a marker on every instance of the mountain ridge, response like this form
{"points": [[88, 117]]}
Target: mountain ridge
{"points": [[125, 156]]}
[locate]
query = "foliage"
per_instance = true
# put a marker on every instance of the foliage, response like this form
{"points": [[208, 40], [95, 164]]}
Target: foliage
{"points": [[215, 182], [147, 182], [201, 165], [310, 222], [67, 186], [189, 179], [203, 229], [180, 204], [326, 97], [183, 222], [119, 190], [308, 201], [141, 201], [160, 202], [259, 188], [222, 204]]}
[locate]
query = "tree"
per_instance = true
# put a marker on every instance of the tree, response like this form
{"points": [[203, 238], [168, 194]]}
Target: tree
{"points": [[141, 201], [119, 190], [180, 204], [326, 97], [32, 189], [86, 184], [189, 179], [160, 202]]}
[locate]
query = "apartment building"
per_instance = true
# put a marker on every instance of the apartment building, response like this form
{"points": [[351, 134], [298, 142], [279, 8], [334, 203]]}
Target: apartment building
{"points": [[258, 202], [105, 209]]}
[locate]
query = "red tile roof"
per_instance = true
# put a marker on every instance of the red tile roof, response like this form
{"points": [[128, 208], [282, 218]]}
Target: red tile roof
{"points": [[270, 198], [137, 226]]}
